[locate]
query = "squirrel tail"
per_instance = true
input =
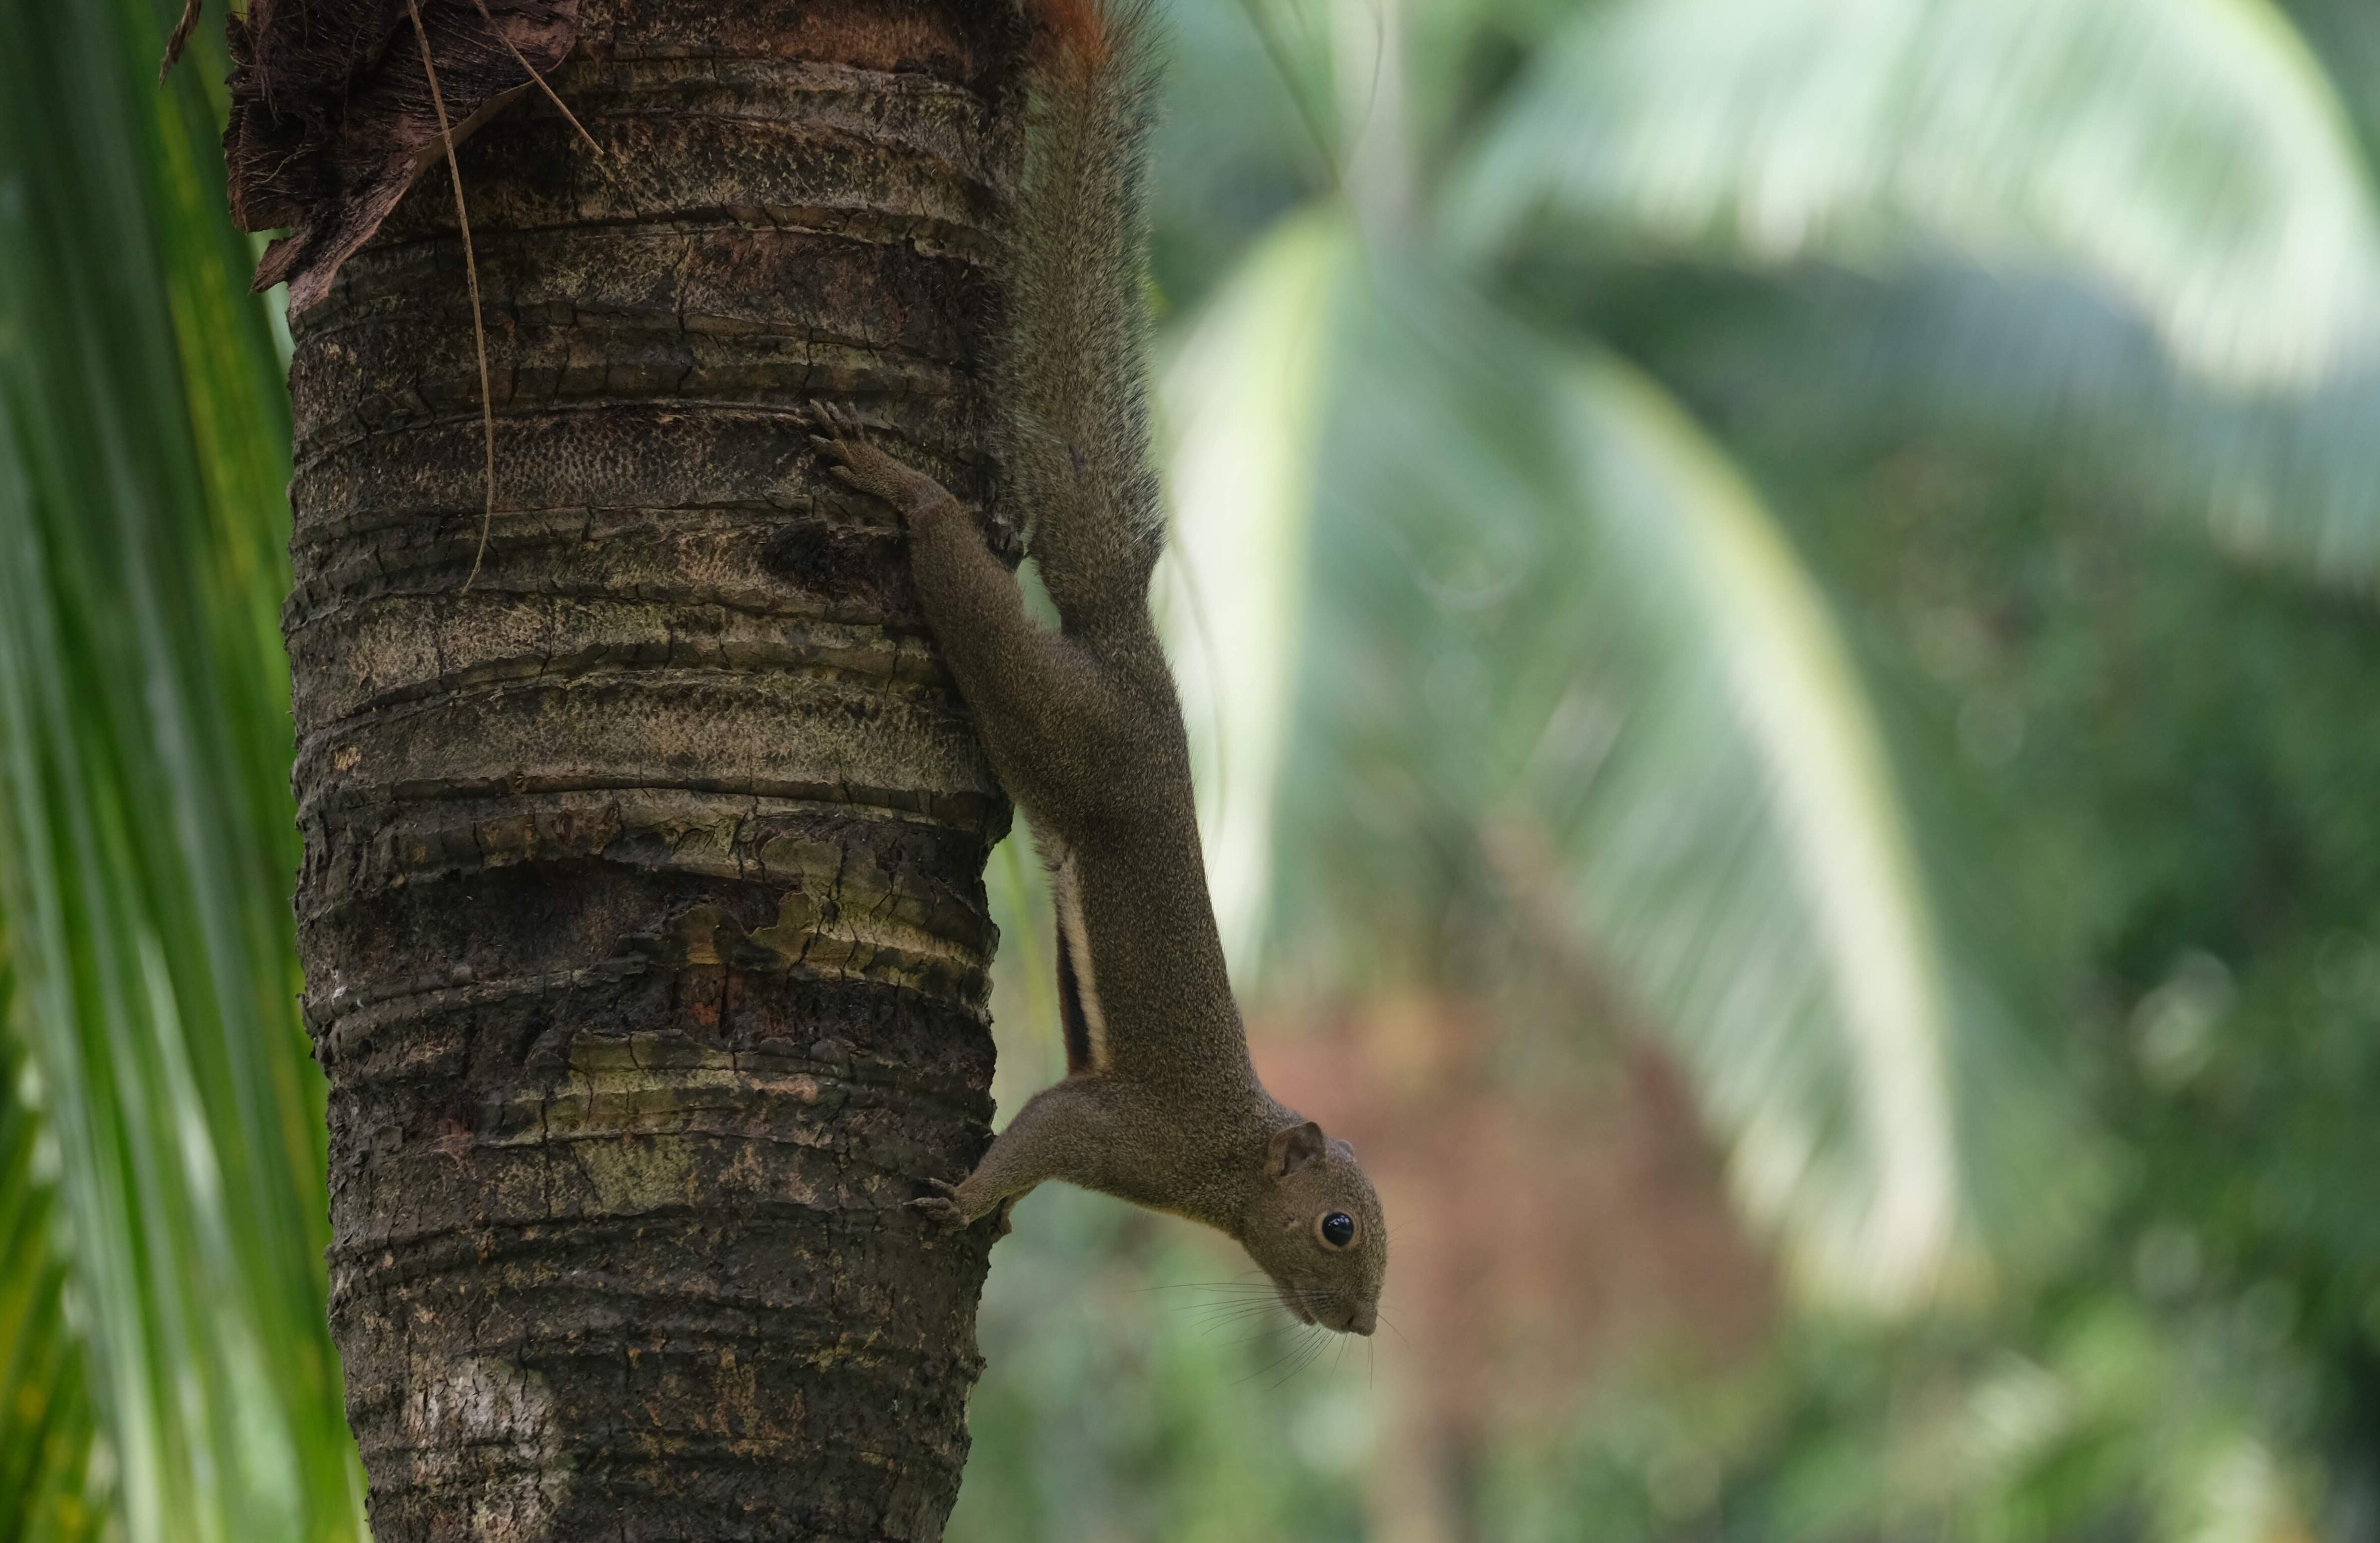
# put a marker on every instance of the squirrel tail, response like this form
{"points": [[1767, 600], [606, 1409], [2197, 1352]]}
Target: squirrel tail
{"points": [[1072, 372]]}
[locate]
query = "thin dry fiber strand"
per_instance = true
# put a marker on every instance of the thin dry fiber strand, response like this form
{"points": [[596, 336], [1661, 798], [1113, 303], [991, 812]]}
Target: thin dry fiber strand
{"points": [[471, 275], [470, 262]]}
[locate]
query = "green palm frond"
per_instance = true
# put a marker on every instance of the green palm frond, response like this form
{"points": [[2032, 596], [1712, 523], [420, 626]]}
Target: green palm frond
{"points": [[47, 1488], [146, 838], [2187, 155], [1839, 364], [1242, 398]]}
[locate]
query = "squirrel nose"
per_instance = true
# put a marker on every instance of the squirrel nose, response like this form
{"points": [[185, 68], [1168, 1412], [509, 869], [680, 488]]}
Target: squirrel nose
{"points": [[1362, 1321]]}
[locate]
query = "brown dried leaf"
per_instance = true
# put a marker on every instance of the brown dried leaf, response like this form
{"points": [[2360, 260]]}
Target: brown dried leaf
{"points": [[332, 117], [181, 38]]}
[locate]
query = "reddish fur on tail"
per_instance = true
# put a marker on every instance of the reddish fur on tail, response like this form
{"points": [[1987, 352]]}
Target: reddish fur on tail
{"points": [[1073, 27]]}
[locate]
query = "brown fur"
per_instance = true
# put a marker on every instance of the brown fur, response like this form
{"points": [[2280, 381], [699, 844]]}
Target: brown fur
{"points": [[1161, 1105], [1071, 34]]}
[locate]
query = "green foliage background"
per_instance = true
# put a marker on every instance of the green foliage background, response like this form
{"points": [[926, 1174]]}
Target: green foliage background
{"points": [[1874, 503], [146, 837]]}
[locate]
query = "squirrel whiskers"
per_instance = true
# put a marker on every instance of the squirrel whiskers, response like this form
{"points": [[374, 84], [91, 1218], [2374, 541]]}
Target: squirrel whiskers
{"points": [[1160, 1105]]}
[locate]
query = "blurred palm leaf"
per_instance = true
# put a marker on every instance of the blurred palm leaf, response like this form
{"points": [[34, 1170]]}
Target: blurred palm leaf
{"points": [[1243, 395], [1558, 634], [1555, 625], [2040, 368], [146, 839], [2187, 155], [46, 1428]]}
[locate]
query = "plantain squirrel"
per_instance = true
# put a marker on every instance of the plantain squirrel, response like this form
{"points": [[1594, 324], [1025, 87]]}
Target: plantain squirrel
{"points": [[1161, 1104]]}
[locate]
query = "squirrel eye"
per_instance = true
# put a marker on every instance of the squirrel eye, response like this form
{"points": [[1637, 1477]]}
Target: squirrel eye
{"points": [[1338, 1229]]}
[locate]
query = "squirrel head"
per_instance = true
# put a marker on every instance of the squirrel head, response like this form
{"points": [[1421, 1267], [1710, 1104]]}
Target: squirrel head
{"points": [[1314, 1225]]}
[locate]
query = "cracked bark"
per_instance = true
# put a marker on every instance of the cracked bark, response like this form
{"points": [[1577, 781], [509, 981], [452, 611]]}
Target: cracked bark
{"points": [[642, 911]]}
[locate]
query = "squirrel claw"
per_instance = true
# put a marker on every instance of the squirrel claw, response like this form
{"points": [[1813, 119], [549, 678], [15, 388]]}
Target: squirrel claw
{"points": [[944, 1213], [839, 428], [866, 469], [941, 1206]]}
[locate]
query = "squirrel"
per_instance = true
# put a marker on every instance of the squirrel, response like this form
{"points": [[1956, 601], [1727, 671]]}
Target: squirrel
{"points": [[1160, 1105]]}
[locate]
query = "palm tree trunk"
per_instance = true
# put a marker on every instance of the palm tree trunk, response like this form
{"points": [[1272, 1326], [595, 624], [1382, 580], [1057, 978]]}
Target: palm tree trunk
{"points": [[642, 911]]}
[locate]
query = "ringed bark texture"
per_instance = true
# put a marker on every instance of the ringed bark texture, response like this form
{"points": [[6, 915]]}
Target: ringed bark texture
{"points": [[641, 910]]}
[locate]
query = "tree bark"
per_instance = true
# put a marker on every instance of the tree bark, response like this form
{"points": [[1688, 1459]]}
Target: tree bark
{"points": [[642, 911]]}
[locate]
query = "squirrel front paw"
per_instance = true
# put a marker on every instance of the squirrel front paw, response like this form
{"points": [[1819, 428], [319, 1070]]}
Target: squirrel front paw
{"points": [[943, 1205]]}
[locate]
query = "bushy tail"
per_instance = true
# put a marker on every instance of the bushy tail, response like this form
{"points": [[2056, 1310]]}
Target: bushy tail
{"points": [[1073, 378]]}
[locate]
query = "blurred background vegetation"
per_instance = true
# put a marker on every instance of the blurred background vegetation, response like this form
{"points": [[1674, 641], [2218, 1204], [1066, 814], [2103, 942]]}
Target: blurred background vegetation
{"points": [[1776, 599]]}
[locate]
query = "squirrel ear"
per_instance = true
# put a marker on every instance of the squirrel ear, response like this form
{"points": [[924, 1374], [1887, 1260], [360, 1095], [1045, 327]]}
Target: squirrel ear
{"points": [[1294, 1146]]}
